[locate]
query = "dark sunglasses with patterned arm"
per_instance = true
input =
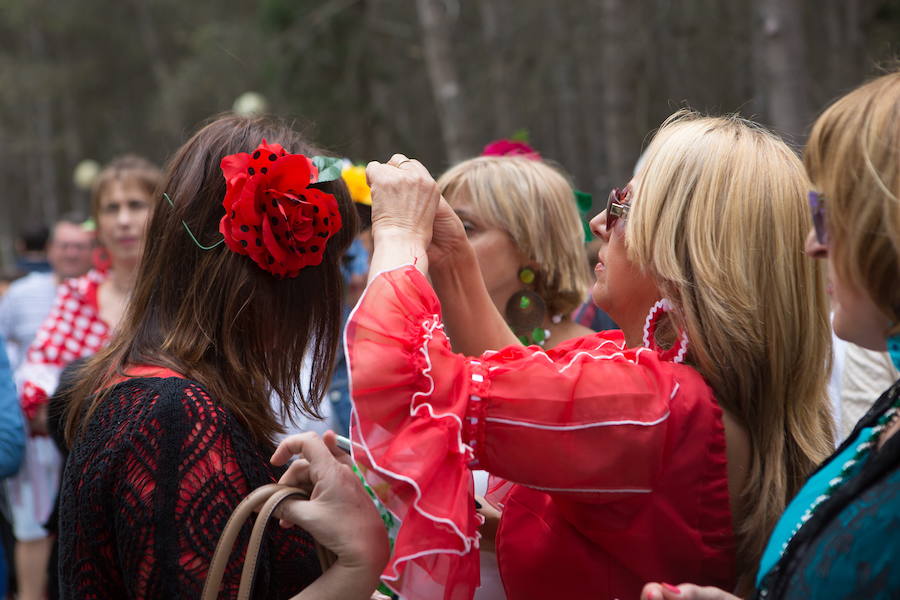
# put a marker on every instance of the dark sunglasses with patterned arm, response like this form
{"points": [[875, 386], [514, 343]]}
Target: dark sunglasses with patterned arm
{"points": [[616, 206]]}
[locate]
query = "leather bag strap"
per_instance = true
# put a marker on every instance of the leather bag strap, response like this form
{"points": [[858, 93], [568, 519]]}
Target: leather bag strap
{"points": [[264, 499]]}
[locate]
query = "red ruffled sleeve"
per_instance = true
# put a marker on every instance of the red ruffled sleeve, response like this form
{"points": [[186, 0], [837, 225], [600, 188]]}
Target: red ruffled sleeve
{"points": [[585, 421]]}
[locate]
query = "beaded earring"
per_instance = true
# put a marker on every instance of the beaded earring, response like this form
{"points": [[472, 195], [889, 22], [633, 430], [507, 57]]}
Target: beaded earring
{"points": [[679, 349], [525, 311]]}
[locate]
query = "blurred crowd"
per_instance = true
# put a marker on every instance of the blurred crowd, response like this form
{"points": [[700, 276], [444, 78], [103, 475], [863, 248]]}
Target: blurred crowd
{"points": [[487, 388]]}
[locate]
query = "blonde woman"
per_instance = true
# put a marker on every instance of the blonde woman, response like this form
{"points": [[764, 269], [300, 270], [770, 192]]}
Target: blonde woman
{"points": [[521, 220], [666, 447], [838, 538], [520, 217]]}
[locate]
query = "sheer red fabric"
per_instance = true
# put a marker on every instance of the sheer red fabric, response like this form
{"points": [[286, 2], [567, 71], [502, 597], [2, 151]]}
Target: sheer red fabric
{"points": [[617, 458]]}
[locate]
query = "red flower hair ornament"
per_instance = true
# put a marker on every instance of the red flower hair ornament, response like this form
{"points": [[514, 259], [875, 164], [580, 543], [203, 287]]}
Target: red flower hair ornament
{"points": [[271, 213]]}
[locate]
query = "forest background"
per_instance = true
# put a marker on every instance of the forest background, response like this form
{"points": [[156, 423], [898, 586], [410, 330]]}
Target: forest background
{"points": [[587, 80]]}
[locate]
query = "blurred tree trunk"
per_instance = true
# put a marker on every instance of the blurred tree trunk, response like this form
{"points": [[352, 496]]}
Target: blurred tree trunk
{"points": [[587, 49], [44, 159], [846, 50], [72, 149], [171, 124], [621, 63], [445, 83], [780, 47], [492, 20], [376, 90], [565, 99]]}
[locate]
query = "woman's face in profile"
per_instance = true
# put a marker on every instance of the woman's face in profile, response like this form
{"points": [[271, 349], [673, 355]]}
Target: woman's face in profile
{"points": [[498, 255], [622, 289], [855, 317]]}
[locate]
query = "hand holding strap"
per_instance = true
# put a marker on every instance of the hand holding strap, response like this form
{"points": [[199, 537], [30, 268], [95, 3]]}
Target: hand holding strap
{"points": [[265, 499]]}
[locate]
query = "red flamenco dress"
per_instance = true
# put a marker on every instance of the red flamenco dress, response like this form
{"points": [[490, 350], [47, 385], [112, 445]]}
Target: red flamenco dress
{"points": [[617, 458]]}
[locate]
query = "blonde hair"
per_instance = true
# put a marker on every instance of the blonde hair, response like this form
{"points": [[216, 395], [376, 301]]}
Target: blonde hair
{"points": [[853, 158], [535, 204], [720, 219]]}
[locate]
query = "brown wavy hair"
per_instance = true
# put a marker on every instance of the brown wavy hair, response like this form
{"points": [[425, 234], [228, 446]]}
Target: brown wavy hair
{"points": [[215, 316]]}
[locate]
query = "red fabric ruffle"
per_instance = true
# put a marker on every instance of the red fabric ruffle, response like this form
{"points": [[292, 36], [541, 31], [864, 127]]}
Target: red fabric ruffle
{"points": [[606, 452]]}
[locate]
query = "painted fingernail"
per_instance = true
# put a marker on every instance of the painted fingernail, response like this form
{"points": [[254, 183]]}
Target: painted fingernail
{"points": [[672, 589]]}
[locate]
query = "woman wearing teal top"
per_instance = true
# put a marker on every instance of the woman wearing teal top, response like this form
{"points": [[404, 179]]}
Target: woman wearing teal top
{"points": [[840, 536]]}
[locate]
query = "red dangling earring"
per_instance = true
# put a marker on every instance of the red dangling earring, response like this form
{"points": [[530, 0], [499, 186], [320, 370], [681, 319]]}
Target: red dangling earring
{"points": [[101, 259], [679, 349]]}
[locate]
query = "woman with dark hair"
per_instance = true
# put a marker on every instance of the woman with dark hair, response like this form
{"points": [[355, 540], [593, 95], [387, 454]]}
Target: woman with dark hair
{"points": [[171, 426]]}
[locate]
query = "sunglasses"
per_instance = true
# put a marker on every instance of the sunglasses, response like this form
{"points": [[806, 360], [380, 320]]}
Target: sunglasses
{"points": [[616, 207], [817, 208]]}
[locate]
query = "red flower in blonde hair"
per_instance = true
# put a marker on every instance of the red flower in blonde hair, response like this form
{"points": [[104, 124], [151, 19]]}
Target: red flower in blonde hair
{"points": [[510, 148], [271, 213]]}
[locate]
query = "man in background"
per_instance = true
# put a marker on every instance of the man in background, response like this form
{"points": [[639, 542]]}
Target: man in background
{"points": [[29, 299], [22, 311]]}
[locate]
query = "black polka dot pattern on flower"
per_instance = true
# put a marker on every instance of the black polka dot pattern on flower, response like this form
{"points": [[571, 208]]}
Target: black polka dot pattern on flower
{"points": [[283, 235]]}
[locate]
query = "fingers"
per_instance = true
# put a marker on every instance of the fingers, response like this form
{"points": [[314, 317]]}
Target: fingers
{"points": [[684, 591], [294, 511], [308, 444], [297, 474], [397, 160], [402, 162], [330, 439]]}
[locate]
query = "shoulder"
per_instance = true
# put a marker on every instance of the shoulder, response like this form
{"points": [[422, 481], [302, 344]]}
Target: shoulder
{"points": [[172, 414], [174, 398], [30, 286], [31, 283]]}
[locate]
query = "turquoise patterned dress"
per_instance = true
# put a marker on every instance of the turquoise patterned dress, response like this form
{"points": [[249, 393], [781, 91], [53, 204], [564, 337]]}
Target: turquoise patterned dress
{"points": [[849, 548]]}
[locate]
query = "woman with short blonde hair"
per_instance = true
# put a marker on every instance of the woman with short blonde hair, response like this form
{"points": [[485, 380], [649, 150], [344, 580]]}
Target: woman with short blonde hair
{"points": [[530, 206]]}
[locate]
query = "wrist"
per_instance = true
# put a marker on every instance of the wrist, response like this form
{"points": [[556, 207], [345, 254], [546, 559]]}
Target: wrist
{"points": [[399, 236], [396, 247], [454, 267]]}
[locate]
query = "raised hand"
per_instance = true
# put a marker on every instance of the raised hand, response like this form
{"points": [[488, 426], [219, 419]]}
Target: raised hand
{"points": [[404, 198]]}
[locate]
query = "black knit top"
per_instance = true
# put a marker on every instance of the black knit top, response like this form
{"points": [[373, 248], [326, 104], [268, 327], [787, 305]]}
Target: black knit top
{"points": [[147, 490]]}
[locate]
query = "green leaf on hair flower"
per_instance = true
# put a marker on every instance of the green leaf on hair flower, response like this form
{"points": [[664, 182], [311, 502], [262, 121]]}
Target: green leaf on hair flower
{"points": [[520, 135], [329, 168]]}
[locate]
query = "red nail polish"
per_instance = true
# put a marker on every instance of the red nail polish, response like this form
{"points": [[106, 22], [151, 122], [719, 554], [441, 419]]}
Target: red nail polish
{"points": [[672, 588]]}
